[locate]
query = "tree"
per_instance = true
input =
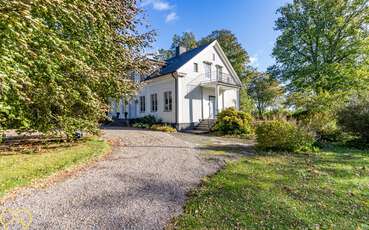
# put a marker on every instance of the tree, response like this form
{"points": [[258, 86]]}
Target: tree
{"points": [[236, 54], [163, 54], [323, 46], [187, 40], [61, 62], [264, 90], [246, 102]]}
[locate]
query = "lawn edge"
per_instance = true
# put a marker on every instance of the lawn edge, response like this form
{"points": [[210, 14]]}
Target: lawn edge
{"points": [[170, 225], [60, 176]]}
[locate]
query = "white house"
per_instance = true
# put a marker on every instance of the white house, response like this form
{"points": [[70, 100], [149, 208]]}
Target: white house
{"points": [[190, 87]]}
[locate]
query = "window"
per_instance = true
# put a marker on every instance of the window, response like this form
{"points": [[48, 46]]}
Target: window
{"points": [[219, 73], [195, 67], [142, 104], [213, 57], [154, 102], [168, 101], [207, 67]]}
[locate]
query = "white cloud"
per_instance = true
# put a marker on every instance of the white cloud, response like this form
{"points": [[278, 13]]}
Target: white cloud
{"points": [[254, 61], [171, 17], [157, 4]]}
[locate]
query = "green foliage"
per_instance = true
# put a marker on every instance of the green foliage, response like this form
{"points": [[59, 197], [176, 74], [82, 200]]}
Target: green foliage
{"points": [[265, 91], [234, 51], [141, 125], [354, 118], [284, 136], [278, 114], [247, 104], [187, 40], [233, 122], [60, 62], [148, 120], [317, 112], [163, 128], [323, 46]]}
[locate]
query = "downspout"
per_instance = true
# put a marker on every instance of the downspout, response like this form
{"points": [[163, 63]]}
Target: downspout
{"points": [[176, 97]]}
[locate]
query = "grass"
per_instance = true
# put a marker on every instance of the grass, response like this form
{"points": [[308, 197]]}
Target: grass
{"points": [[326, 190], [22, 168]]}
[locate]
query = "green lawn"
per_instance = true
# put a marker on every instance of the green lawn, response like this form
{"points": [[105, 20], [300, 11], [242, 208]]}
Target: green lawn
{"points": [[327, 190], [21, 168]]}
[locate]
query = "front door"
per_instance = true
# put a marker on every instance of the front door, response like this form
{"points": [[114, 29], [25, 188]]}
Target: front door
{"points": [[211, 107]]}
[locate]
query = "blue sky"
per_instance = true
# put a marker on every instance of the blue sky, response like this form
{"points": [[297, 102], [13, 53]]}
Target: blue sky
{"points": [[251, 20]]}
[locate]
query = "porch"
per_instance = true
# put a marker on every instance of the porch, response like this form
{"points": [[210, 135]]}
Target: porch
{"points": [[222, 92]]}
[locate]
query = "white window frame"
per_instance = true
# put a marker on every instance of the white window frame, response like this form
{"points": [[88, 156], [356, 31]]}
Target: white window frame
{"points": [[195, 67], [154, 102], [168, 101]]}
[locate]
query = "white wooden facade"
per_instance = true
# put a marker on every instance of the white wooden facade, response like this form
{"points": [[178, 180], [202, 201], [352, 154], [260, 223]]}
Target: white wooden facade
{"points": [[200, 88]]}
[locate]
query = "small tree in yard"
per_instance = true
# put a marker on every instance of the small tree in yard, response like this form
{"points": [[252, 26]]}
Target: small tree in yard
{"points": [[61, 61], [264, 91]]}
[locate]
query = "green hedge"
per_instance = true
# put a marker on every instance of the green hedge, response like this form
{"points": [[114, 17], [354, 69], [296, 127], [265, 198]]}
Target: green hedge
{"points": [[283, 135]]}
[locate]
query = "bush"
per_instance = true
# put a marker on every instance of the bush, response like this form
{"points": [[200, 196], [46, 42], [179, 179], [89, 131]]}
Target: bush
{"points": [[233, 122], [149, 120], [318, 113], [141, 125], [354, 118], [284, 136], [164, 128]]}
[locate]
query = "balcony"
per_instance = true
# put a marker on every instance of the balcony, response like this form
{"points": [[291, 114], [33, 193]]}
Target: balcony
{"points": [[212, 79]]}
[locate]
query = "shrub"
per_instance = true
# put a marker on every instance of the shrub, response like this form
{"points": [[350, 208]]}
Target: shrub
{"points": [[141, 125], [317, 112], [283, 135], [163, 128], [354, 118], [149, 120], [233, 122]]}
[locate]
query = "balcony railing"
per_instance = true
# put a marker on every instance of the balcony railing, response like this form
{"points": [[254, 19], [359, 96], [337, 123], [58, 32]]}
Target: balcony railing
{"points": [[217, 77]]}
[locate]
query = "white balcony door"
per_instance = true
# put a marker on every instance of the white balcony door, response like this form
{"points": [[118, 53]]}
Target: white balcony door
{"points": [[207, 67]]}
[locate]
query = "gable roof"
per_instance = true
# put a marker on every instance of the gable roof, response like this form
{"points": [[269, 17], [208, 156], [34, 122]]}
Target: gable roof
{"points": [[176, 62]]}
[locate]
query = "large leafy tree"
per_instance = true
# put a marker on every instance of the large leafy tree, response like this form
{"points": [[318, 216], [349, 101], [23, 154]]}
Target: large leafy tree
{"points": [[234, 51], [323, 46], [187, 40], [61, 61]]}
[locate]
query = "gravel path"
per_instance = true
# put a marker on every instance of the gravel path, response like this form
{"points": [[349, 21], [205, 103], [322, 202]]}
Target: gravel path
{"points": [[142, 185]]}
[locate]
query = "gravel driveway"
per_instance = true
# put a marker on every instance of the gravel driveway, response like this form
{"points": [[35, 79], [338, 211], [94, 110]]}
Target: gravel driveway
{"points": [[142, 185]]}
